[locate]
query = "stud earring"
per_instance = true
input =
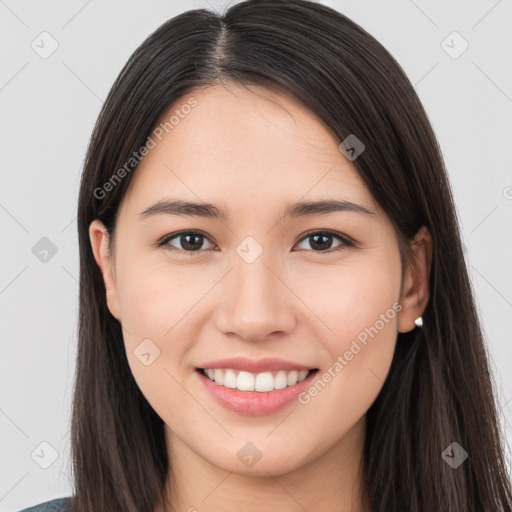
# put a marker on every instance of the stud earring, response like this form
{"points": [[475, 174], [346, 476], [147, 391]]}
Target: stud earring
{"points": [[419, 321]]}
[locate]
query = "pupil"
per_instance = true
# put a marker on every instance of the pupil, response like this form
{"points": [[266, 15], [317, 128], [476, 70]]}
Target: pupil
{"points": [[320, 245], [187, 246]]}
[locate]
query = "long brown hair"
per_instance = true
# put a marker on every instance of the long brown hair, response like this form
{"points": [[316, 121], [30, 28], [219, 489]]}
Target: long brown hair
{"points": [[439, 389]]}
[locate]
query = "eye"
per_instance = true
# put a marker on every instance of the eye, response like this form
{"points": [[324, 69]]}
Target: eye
{"points": [[322, 239], [190, 241]]}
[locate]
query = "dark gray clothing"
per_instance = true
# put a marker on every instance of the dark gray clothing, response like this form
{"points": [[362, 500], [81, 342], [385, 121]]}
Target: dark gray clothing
{"points": [[57, 505]]}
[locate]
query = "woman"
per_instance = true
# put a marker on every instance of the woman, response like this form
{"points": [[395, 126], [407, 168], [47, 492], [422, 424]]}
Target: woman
{"points": [[275, 310]]}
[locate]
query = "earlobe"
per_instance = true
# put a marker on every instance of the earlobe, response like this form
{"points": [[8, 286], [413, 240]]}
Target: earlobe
{"points": [[415, 291], [99, 239]]}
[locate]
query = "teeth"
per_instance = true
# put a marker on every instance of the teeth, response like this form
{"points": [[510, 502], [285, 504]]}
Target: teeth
{"points": [[262, 382], [219, 376], [244, 381], [280, 380], [292, 378], [230, 379]]}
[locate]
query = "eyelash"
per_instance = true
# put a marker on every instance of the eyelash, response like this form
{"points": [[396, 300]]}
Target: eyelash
{"points": [[346, 242]]}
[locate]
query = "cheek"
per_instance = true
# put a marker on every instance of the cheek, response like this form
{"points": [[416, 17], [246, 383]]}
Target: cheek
{"points": [[154, 309], [350, 299], [156, 326], [358, 309], [158, 301]]}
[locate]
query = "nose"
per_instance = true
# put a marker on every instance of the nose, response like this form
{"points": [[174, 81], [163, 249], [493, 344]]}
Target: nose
{"points": [[257, 302]]}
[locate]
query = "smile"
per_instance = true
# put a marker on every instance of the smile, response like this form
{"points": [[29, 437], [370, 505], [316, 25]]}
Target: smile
{"points": [[255, 394], [260, 382]]}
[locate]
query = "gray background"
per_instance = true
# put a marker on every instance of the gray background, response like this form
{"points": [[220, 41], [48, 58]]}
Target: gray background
{"points": [[47, 110]]}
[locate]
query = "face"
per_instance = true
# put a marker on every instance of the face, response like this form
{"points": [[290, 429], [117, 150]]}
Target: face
{"points": [[311, 289]]}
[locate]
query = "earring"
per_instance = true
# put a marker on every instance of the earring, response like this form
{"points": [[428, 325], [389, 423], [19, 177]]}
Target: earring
{"points": [[419, 321]]}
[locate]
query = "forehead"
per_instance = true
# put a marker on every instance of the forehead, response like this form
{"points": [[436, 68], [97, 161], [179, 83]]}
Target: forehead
{"points": [[236, 141]]}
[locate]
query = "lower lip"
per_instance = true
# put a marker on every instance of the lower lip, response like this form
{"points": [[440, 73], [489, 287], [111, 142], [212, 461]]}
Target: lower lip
{"points": [[255, 403]]}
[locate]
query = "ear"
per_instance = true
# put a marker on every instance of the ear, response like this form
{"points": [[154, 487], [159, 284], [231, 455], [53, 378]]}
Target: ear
{"points": [[415, 292], [99, 238]]}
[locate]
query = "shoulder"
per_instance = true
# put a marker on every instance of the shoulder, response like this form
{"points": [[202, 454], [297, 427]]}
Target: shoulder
{"points": [[57, 505]]}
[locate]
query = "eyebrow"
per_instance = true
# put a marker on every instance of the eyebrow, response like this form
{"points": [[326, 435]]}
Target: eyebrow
{"points": [[208, 210]]}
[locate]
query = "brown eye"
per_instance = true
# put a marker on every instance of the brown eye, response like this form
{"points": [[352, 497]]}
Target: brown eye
{"points": [[187, 241], [321, 241], [192, 241]]}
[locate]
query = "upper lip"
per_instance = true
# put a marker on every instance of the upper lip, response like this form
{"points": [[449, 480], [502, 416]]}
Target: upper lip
{"points": [[261, 365]]}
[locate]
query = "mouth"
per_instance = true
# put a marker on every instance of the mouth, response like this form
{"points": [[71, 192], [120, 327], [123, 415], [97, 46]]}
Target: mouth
{"points": [[262, 382], [255, 394]]}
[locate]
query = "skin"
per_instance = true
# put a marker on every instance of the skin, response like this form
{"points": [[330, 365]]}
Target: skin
{"points": [[254, 152]]}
